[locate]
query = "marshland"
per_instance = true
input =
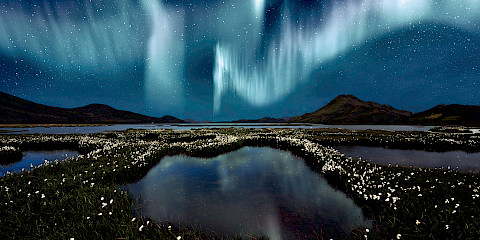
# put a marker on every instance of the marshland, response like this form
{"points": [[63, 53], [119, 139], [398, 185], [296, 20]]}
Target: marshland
{"points": [[91, 194]]}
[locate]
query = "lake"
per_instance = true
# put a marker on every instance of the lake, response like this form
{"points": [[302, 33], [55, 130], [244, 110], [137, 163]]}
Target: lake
{"points": [[457, 160], [36, 158], [252, 191], [189, 126]]}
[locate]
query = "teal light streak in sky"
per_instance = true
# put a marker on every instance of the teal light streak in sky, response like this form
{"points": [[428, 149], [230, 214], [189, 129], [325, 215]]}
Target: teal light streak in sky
{"points": [[299, 50], [106, 37]]}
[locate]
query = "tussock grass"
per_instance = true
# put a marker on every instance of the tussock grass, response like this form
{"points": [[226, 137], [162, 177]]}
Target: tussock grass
{"points": [[78, 197]]}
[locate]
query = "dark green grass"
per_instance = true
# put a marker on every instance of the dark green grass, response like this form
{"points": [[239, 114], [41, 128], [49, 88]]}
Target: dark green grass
{"points": [[10, 156], [72, 199]]}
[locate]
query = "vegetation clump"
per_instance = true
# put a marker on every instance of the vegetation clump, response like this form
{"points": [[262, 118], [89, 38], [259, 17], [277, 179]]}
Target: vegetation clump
{"points": [[10, 154], [80, 198]]}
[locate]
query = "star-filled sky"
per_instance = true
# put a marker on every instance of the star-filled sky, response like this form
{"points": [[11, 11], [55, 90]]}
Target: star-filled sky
{"points": [[230, 59]]}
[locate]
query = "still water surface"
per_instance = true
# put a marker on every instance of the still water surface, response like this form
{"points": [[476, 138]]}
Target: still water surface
{"points": [[36, 158], [457, 160], [252, 191], [189, 126]]}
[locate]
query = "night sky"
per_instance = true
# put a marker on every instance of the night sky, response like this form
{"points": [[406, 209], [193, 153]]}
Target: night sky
{"points": [[231, 59]]}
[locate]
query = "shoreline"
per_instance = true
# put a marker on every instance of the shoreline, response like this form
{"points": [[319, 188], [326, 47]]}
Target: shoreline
{"points": [[126, 156]]}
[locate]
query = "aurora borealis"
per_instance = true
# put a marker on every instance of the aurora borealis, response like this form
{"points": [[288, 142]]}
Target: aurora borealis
{"points": [[231, 59]]}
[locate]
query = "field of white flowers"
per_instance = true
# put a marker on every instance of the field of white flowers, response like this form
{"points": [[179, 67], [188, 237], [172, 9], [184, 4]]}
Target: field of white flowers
{"points": [[78, 198]]}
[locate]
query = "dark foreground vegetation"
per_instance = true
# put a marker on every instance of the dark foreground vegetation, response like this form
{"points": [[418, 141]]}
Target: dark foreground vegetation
{"points": [[79, 198]]}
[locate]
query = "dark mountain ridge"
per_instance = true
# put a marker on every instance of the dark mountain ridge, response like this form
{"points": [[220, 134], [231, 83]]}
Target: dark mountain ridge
{"points": [[453, 114], [262, 120], [348, 109], [344, 109], [21, 111]]}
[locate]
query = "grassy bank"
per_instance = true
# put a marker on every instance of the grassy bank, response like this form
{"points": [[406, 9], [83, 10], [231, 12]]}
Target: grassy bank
{"points": [[10, 154], [78, 198], [21, 125]]}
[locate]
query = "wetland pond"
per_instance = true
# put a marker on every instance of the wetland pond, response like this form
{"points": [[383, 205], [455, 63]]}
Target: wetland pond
{"points": [[189, 126], [249, 192], [36, 158], [456, 160]]}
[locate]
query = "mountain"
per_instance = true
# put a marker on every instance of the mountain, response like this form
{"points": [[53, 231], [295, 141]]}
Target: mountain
{"points": [[17, 110], [263, 120], [188, 120], [347, 109], [170, 119], [453, 114]]}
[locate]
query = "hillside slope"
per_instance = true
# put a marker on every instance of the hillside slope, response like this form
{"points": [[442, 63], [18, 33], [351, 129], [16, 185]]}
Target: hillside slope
{"points": [[20, 111], [347, 109], [453, 114]]}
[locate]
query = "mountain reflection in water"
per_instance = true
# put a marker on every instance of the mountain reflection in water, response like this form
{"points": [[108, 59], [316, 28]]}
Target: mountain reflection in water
{"points": [[252, 191]]}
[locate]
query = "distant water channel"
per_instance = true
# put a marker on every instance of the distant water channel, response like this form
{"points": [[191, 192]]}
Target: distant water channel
{"points": [[456, 160], [188, 126], [252, 191], [36, 158]]}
